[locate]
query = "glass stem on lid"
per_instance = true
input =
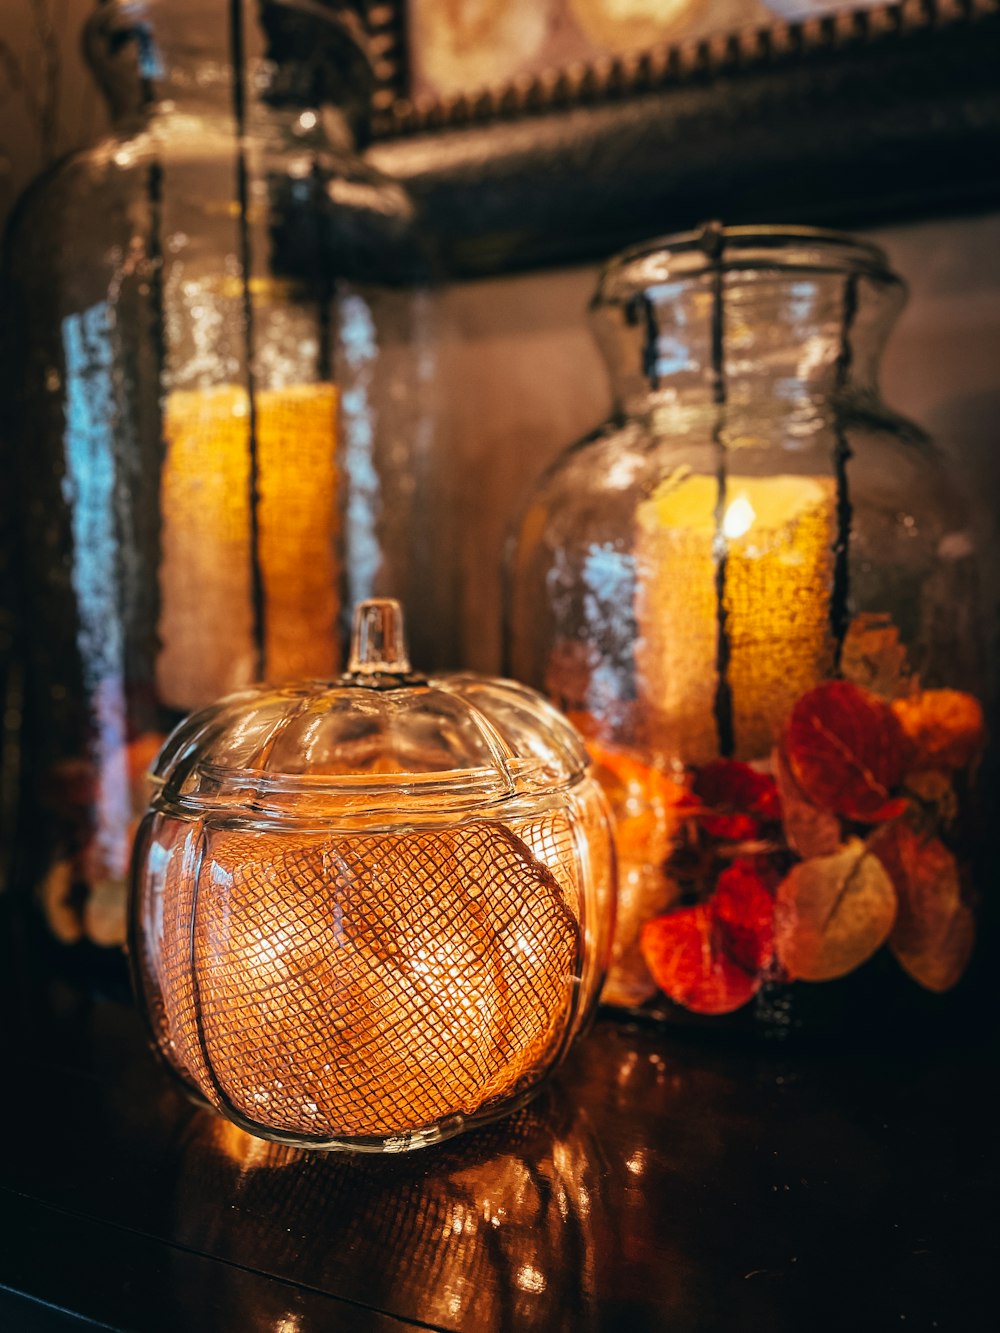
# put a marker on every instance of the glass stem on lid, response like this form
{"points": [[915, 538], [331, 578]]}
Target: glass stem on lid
{"points": [[378, 639]]}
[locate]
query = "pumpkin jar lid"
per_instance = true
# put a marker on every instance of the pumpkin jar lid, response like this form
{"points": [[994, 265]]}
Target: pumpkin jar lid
{"points": [[375, 735]]}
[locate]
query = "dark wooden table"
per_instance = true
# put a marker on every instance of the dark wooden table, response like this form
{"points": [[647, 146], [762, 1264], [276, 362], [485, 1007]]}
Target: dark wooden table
{"points": [[657, 1184]]}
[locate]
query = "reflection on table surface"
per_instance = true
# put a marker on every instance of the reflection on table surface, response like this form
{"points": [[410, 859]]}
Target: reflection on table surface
{"points": [[656, 1183]]}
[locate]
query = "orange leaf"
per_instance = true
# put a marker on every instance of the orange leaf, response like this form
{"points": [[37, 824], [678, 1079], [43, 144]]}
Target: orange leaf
{"points": [[808, 830], [934, 931], [832, 913], [945, 728], [646, 804], [586, 724]]}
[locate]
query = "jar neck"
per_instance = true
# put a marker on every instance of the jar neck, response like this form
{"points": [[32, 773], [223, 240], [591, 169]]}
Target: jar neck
{"points": [[280, 63], [747, 340]]}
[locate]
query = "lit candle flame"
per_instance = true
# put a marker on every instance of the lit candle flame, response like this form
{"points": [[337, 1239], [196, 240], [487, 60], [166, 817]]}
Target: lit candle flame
{"points": [[738, 518]]}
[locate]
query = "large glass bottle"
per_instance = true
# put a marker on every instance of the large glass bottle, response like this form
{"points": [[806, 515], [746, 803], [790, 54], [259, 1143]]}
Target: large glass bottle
{"points": [[218, 400], [753, 589]]}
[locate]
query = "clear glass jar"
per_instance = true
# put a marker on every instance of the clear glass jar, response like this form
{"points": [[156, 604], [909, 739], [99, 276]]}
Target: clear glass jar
{"points": [[371, 912], [753, 589], [220, 368]]}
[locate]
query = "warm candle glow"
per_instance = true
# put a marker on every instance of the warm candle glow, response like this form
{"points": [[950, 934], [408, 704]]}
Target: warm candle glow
{"points": [[206, 618], [777, 535], [363, 984], [370, 911], [738, 518]]}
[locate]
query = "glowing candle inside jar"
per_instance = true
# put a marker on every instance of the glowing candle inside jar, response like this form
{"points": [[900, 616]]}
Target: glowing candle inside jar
{"points": [[207, 623], [352, 984], [777, 535]]}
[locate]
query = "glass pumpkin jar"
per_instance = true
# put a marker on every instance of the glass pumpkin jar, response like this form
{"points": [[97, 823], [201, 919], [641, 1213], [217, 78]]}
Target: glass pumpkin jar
{"points": [[753, 590], [218, 413], [369, 913]]}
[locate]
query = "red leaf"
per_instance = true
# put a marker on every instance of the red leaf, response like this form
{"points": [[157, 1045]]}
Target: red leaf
{"points": [[683, 952], [710, 958], [729, 828], [808, 830], [736, 798], [845, 749], [729, 785], [744, 911], [934, 931]]}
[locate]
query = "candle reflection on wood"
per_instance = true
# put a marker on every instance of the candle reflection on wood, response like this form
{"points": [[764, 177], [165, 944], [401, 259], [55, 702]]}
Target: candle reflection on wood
{"points": [[206, 623], [777, 534]]}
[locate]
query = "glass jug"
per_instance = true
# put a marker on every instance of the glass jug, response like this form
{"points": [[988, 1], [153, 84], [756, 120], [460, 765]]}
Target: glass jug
{"points": [[753, 588], [219, 411]]}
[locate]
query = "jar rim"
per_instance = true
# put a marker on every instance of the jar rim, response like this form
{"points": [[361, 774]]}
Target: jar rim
{"points": [[715, 248]]}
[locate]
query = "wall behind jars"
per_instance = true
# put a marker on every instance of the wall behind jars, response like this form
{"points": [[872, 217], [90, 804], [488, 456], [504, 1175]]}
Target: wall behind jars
{"points": [[48, 104], [525, 378]]}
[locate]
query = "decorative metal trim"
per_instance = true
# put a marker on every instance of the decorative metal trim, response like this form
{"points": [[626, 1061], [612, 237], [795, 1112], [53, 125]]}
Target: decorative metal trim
{"points": [[868, 116], [387, 43], [617, 78]]}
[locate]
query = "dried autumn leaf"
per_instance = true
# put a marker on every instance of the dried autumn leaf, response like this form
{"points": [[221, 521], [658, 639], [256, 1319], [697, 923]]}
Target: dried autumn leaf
{"points": [[808, 830], [744, 911], [845, 750], [832, 913], [643, 892], [684, 953], [586, 724], [711, 958], [938, 961], [945, 728], [935, 930], [873, 656], [736, 799], [648, 807], [730, 828], [935, 791]]}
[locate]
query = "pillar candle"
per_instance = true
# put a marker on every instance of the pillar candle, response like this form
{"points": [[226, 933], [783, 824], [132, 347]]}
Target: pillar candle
{"points": [[206, 624], [777, 534]]}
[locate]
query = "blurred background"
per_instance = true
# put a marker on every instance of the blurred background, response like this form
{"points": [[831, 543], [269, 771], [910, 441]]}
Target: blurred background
{"points": [[523, 377]]}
